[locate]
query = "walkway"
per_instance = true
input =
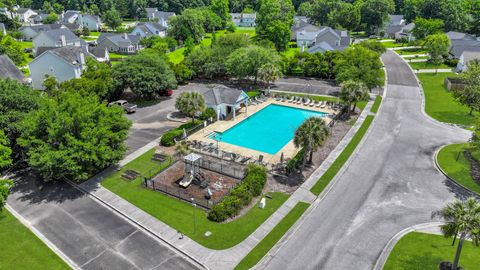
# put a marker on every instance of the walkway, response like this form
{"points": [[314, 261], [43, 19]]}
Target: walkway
{"points": [[215, 259], [390, 184]]}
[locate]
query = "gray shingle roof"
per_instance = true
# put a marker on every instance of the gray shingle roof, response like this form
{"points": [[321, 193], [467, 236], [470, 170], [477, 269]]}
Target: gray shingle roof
{"points": [[57, 33], [93, 17], [458, 35], [457, 51], [471, 55], [42, 27], [69, 54], [396, 20], [21, 10], [222, 95], [119, 39], [9, 70]]}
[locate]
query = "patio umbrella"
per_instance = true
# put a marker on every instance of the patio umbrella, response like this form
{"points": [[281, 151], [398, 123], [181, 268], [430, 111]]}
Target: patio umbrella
{"points": [[281, 158]]}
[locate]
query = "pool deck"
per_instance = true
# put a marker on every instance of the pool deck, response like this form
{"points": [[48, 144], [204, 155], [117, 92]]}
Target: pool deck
{"points": [[289, 150]]}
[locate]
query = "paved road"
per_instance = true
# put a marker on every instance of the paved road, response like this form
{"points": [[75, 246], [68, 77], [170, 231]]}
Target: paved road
{"points": [[391, 184], [92, 236]]}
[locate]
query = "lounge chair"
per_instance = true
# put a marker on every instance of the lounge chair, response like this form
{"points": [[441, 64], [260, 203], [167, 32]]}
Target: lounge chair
{"points": [[312, 103], [324, 104], [307, 101], [258, 100], [245, 159], [208, 146], [291, 99], [294, 100], [299, 100], [278, 98], [318, 104]]}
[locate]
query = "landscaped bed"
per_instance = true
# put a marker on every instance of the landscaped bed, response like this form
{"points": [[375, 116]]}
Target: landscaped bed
{"points": [[428, 65], [439, 102], [181, 215], [425, 251], [456, 163], [21, 249]]}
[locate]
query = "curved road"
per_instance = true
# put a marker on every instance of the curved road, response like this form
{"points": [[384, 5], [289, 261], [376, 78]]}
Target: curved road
{"points": [[392, 183]]}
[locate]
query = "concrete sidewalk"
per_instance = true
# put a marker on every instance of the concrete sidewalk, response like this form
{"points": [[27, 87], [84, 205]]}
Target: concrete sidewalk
{"points": [[440, 70], [214, 259]]}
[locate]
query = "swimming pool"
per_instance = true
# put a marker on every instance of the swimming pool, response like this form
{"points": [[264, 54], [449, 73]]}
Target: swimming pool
{"points": [[268, 130]]}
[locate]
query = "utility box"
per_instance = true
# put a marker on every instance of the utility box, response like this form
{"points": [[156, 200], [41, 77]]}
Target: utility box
{"points": [[262, 204]]}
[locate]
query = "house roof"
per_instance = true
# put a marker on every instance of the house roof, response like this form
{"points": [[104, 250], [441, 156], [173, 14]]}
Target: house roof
{"points": [[72, 26], [22, 10], [67, 53], [56, 34], [459, 35], [222, 95], [93, 17], [393, 29], [163, 14], [320, 47], [456, 51], [42, 27], [121, 40], [303, 26], [147, 27], [70, 13], [306, 35], [9, 70], [396, 20]]}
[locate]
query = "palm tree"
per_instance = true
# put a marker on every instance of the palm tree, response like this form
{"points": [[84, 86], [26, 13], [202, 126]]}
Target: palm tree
{"points": [[182, 149], [310, 135], [190, 103], [269, 73], [352, 92], [462, 219]]}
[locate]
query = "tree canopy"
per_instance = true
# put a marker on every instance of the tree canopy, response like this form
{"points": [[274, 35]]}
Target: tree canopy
{"points": [[246, 62], [190, 104], [437, 46], [425, 27], [273, 22], [73, 136]]}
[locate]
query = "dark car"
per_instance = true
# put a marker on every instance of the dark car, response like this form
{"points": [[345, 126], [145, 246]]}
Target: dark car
{"points": [[128, 107]]}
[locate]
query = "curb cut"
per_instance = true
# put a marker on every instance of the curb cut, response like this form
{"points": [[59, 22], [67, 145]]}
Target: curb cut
{"points": [[42, 238], [451, 180], [382, 258]]}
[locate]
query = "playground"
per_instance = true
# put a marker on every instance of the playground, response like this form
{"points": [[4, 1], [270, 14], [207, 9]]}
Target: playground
{"points": [[186, 179]]}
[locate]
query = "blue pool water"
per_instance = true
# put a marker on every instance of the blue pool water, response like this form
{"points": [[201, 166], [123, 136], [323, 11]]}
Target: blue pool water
{"points": [[268, 130]]}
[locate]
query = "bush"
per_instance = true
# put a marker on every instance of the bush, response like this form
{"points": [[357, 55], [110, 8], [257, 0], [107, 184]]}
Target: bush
{"points": [[168, 138], [241, 195], [182, 73], [208, 113], [295, 162], [451, 62]]}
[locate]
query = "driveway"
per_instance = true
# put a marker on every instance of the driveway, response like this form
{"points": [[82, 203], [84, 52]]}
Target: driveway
{"points": [[92, 236], [151, 122], [391, 183]]}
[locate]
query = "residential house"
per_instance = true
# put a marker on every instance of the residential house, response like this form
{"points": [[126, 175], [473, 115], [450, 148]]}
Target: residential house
{"points": [[147, 29], [405, 33], [160, 17], [244, 19], [297, 19], [29, 32], [24, 14], [329, 39], [461, 42], [91, 22], [302, 26], [3, 29], [56, 38], [8, 70], [398, 29], [225, 101], [72, 16], [63, 63], [119, 43], [465, 58]]}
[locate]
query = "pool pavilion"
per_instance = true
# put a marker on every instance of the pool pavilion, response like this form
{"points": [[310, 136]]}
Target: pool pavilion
{"points": [[226, 101]]}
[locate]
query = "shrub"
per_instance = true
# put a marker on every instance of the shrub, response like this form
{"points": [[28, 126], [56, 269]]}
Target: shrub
{"points": [[241, 195], [182, 73], [208, 113], [167, 138], [451, 62], [295, 162]]}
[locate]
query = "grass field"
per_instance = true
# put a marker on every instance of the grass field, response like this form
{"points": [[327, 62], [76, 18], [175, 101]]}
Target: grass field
{"points": [[453, 162], [376, 104], [412, 51], [259, 251], [21, 249], [393, 44], [342, 158], [427, 65], [180, 215], [440, 104], [421, 251], [26, 44]]}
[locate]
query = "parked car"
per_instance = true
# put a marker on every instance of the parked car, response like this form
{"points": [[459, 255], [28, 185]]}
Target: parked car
{"points": [[128, 107]]}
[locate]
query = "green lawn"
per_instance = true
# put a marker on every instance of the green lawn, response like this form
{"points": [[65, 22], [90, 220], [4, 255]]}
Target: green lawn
{"points": [[290, 52], [427, 65], [421, 251], [376, 104], [412, 51], [439, 102], [342, 158], [26, 44], [21, 249], [180, 215], [393, 44], [259, 251], [117, 55], [95, 34], [459, 170]]}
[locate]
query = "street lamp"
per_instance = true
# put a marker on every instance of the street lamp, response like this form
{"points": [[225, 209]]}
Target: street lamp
{"points": [[194, 219]]}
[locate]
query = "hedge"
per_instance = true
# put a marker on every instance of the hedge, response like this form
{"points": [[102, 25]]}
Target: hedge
{"points": [[241, 195], [167, 137]]}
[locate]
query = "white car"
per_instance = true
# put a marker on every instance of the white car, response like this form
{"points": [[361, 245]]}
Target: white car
{"points": [[128, 107]]}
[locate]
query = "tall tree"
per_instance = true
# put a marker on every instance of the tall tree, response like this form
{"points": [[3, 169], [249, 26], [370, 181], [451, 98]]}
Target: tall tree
{"points": [[375, 14], [112, 18], [425, 27], [146, 74], [190, 104], [310, 135], [275, 15], [359, 64], [351, 92], [246, 62], [220, 7], [437, 46], [73, 136], [462, 220], [189, 24], [470, 94], [412, 9], [5, 186], [13, 49], [5, 151], [269, 73]]}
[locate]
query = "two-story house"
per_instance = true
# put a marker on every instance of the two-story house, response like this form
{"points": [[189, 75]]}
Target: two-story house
{"points": [[91, 22], [56, 38], [29, 32], [160, 17], [24, 14], [147, 29], [63, 63], [329, 39]]}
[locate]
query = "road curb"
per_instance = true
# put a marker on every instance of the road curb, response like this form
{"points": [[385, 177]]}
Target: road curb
{"points": [[42, 238], [382, 258], [132, 220], [451, 180]]}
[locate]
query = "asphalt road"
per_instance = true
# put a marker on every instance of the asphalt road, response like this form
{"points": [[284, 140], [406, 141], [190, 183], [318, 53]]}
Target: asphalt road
{"points": [[91, 235], [392, 183]]}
